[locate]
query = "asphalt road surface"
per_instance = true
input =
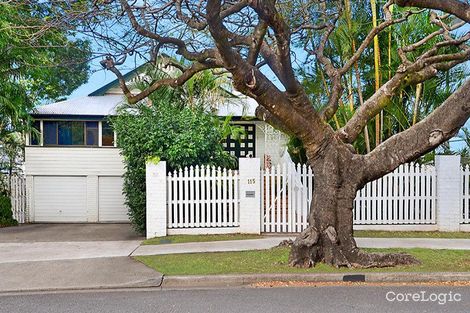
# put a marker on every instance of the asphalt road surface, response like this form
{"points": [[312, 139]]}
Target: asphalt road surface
{"points": [[363, 299]]}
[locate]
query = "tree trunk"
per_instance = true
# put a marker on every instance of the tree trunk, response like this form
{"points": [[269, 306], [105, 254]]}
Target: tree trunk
{"points": [[329, 236]]}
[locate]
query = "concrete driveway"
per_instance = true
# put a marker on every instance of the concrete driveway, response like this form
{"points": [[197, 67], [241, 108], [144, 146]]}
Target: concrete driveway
{"points": [[71, 256], [45, 242], [29, 233]]}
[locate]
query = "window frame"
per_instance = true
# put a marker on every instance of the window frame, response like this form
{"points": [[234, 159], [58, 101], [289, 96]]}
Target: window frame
{"points": [[42, 121]]}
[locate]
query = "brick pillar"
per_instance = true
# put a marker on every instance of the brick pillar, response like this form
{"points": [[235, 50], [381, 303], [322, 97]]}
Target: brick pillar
{"points": [[156, 212], [250, 195], [448, 192]]}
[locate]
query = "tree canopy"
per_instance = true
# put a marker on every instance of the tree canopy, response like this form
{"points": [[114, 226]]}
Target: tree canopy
{"points": [[39, 62]]}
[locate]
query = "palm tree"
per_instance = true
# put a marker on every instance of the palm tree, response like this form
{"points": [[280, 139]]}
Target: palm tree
{"points": [[413, 103]]}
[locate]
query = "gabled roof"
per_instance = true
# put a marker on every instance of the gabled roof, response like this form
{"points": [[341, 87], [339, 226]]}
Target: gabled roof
{"points": [[115, 83]]}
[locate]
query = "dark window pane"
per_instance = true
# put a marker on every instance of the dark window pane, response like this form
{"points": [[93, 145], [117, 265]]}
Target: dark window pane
{"points": [[107, 135], [78, 133], [35, 134], [71, 133], [92, 133], [50, 133]]}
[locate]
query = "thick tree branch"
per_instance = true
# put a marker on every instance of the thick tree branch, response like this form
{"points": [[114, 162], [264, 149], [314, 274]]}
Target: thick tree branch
{"points": [[438, 127], [171, 82], [296, 113], [425, 67], [267, 11], [454, 7], [257, 42]]}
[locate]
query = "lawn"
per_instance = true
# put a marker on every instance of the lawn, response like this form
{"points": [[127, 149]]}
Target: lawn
{"points": [[197, 238], [411, 234], [275, 261]]}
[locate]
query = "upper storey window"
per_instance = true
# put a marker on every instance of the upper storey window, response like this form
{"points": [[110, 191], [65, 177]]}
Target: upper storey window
{"points": [[73, 133]]}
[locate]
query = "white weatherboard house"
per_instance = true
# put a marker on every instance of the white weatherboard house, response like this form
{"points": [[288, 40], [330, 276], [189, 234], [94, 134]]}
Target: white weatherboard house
{"points": [[74, 169]]}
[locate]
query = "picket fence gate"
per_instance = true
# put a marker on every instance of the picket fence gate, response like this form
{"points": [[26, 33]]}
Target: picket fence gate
{"points": [[287, 190], [203, 197]]}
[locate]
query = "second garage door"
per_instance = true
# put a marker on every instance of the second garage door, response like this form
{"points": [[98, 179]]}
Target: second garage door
{"points": [[111, 207]]}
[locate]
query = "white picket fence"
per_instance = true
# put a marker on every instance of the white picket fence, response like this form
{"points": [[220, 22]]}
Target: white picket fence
{"points": [[465, 195], [204, 200], [203, 197], [405, 196], [18, 198]]}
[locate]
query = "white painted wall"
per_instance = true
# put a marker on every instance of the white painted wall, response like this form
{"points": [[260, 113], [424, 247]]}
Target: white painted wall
{"points": [[100, 199], [73, 161]]}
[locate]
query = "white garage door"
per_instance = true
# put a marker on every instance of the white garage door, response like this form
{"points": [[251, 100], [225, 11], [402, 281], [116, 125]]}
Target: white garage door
{"points": [[111, 206], [60, 199]]}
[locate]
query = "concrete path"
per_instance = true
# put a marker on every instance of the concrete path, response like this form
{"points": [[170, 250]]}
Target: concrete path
{"points": [[429, 243], [266, 243], [97, 273]]}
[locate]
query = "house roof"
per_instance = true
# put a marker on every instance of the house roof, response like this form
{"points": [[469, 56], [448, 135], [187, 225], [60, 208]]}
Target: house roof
{"points": [[91, 106], [102, 103], [106, 105]]}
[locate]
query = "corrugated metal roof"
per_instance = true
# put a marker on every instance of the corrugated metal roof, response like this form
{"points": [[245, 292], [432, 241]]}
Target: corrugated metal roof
{"points": [[99, 105], [106, 105]]}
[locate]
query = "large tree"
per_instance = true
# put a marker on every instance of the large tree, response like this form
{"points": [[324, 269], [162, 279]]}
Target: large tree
{"points": [[257, 42]]}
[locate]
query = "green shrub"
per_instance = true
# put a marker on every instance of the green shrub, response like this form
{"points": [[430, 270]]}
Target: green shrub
{"points": [[180, 136], [6, 214]]}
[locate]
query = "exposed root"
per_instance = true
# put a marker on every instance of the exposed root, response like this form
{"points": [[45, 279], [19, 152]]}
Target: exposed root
{"points": [[286, 243], [368, 260], [312, 247]]}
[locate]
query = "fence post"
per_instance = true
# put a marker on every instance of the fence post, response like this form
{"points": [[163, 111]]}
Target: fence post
{"points": [[156, 212], [448, 192], [250, 195]]}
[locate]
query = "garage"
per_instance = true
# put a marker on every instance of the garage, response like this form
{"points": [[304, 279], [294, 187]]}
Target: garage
{"points": [[111, 207], [60, 199], [75, 185]]}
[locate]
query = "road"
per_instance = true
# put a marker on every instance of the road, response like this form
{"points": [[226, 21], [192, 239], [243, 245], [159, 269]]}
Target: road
{"points": [[363, 299]]}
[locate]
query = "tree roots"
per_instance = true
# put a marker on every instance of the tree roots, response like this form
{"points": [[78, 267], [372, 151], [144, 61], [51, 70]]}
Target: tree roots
{"points": [[312, 247]]}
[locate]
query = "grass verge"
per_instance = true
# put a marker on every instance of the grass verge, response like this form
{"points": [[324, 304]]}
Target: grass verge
{"points": [[275, 261], [197, 238], [411, 234]]}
